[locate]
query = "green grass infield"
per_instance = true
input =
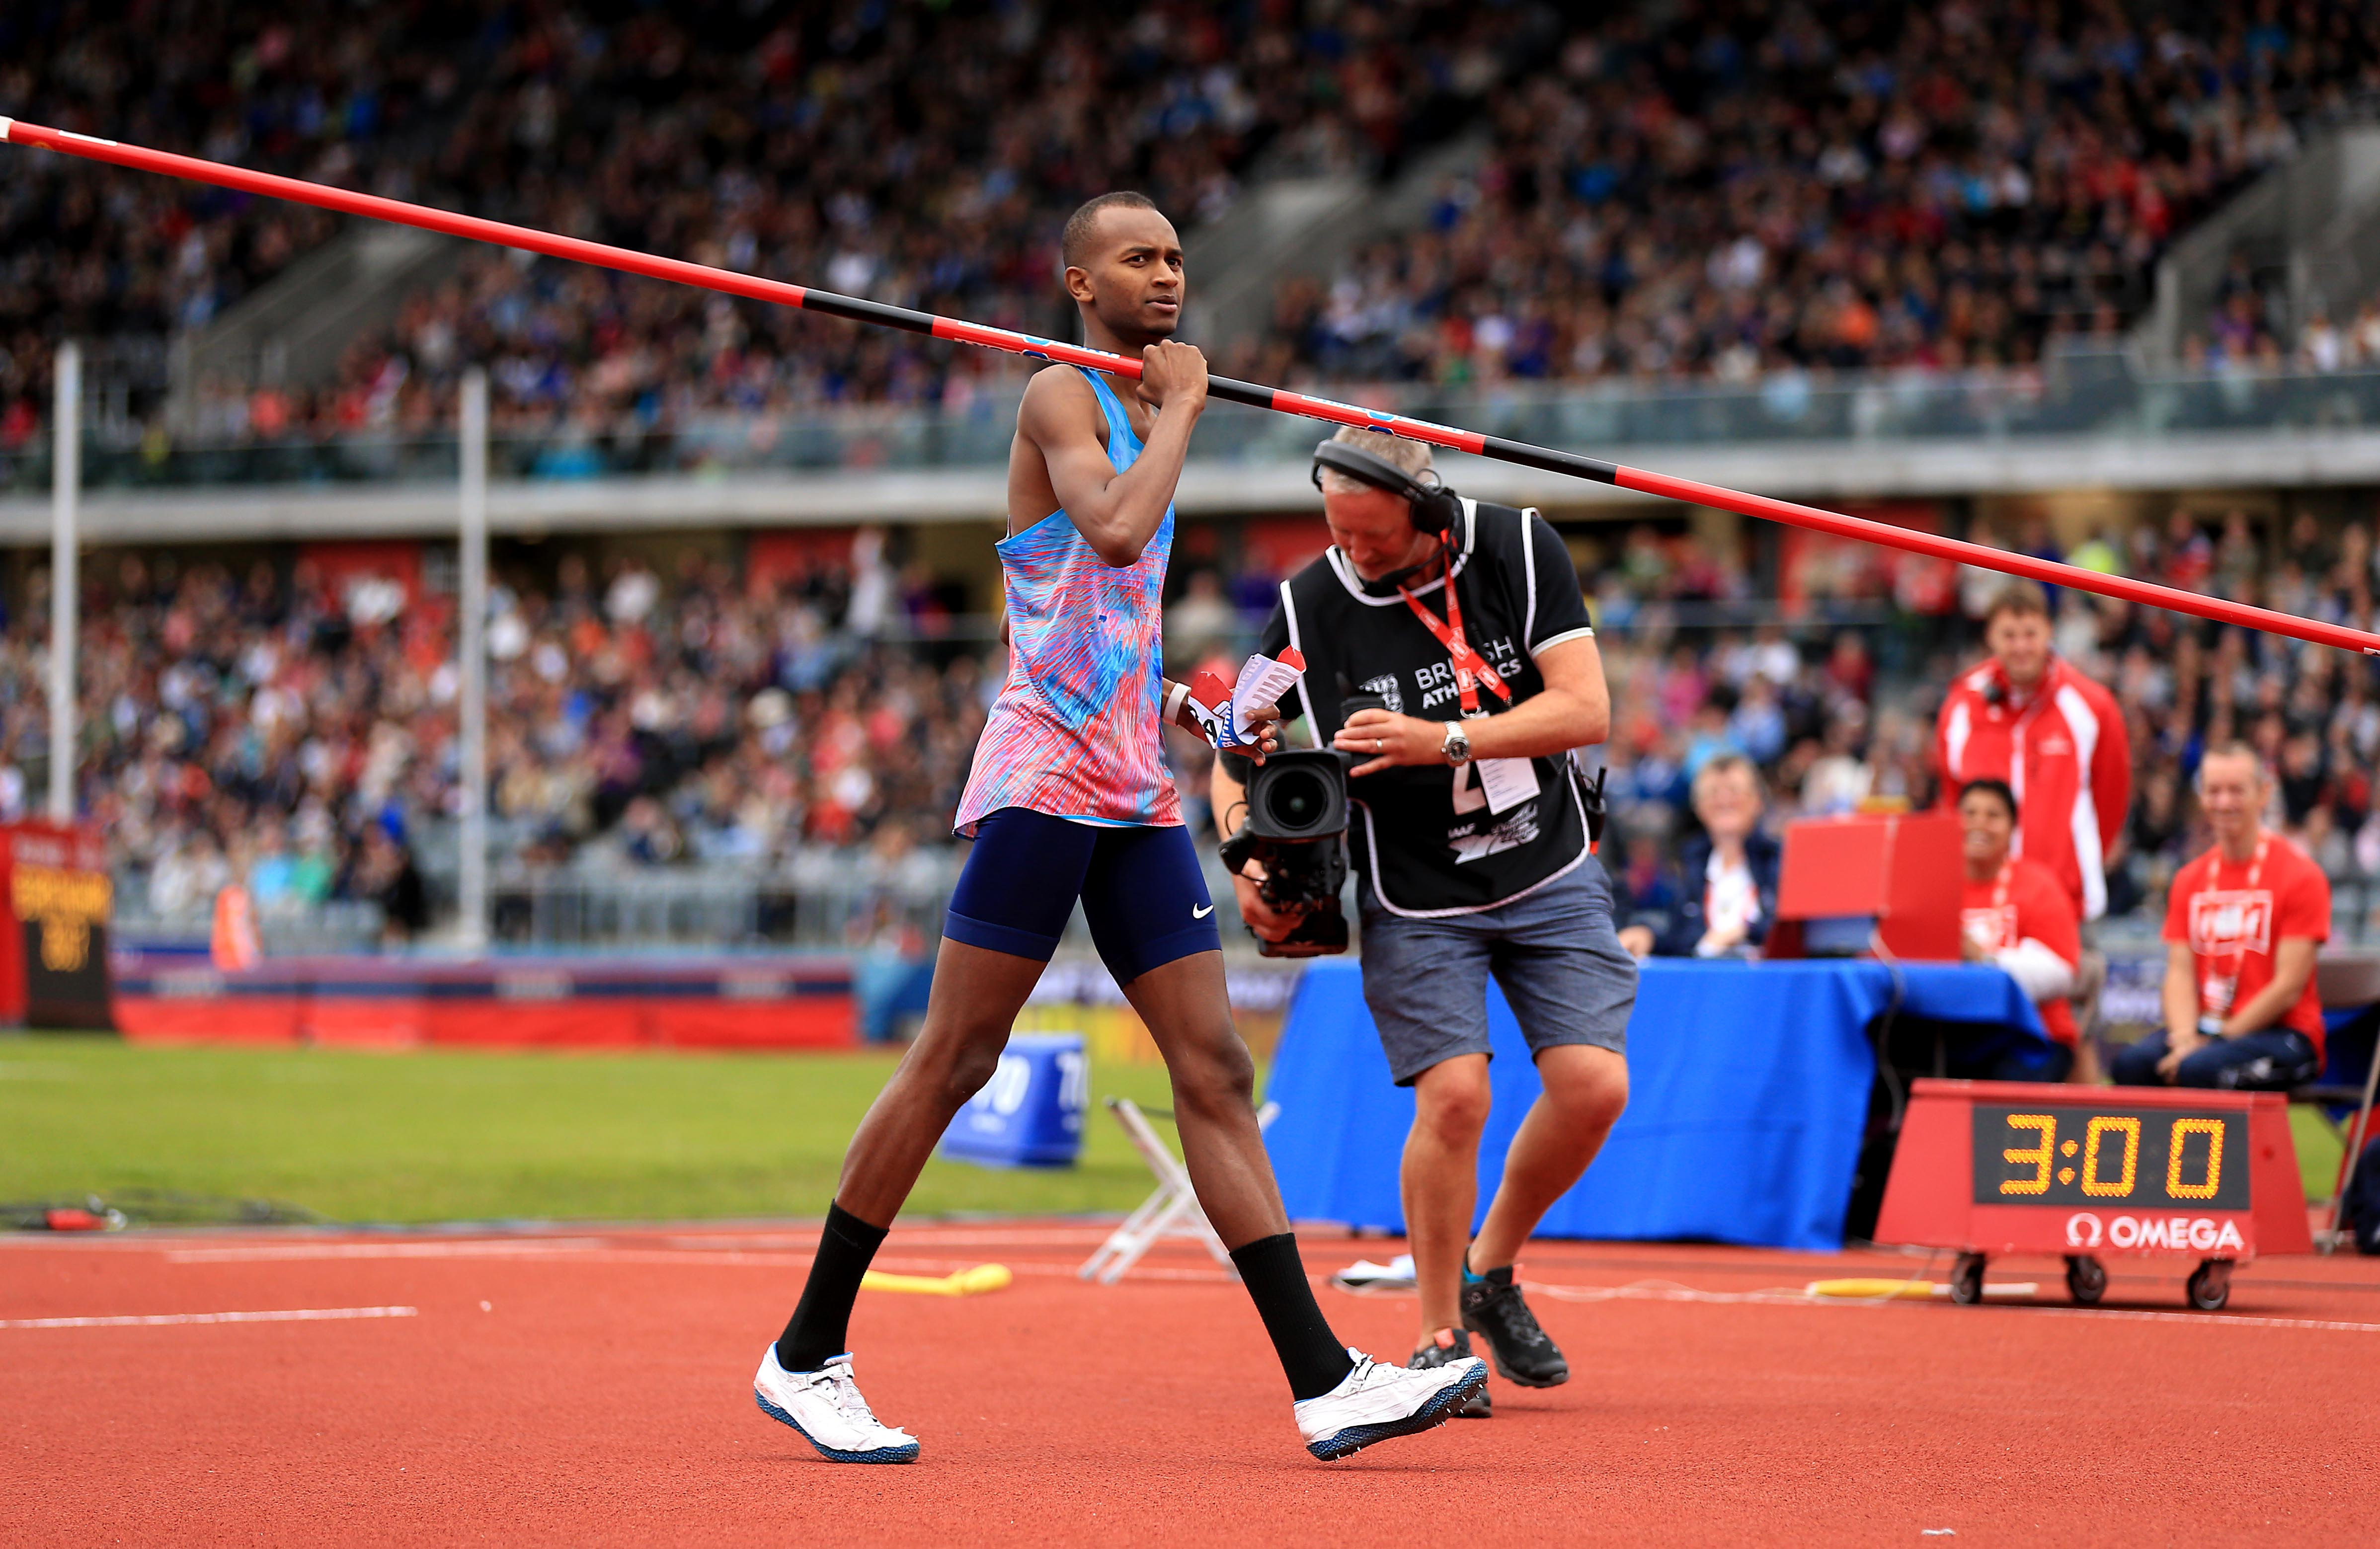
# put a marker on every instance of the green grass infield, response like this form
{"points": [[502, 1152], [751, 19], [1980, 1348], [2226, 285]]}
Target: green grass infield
{"points": [[439, 1135], [434, 1135]]}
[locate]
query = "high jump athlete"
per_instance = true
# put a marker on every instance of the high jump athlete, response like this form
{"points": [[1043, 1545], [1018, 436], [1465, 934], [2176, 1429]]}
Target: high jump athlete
{"points": [[1069, 798]]}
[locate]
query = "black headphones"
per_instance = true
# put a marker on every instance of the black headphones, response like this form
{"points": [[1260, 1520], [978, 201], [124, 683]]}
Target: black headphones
{"points": [[1435, 508]]}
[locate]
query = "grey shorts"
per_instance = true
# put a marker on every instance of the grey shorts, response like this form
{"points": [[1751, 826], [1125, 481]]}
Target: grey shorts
{"points": [[1555, 952]]}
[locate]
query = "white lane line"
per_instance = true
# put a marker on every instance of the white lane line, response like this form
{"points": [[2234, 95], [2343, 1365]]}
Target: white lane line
{"points": [[272, 1252], [1669, 1290], [591, 1252], [2234, 1319], [913, 1237], [154, 1320]]}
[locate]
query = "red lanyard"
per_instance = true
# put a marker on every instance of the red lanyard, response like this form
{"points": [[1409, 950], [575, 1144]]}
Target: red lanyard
{"points": [[2000, 886], [1470, 667]]}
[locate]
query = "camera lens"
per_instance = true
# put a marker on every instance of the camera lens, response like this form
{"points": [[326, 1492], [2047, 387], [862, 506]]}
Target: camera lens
{"points": [[1296, 799]]}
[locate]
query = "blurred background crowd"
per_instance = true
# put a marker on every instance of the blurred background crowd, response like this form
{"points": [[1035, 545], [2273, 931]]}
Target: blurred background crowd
{"points": [[1829, 187], [920, 155], [1718, 191], [274, 724], [1841, 185]]}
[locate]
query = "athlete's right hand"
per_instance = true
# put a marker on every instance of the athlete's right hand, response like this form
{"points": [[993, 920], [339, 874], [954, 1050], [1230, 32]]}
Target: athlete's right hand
{"points": [[1173, 372]]}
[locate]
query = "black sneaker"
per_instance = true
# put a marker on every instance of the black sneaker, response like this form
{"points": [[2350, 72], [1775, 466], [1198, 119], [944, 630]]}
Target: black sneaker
{"points": [[1493, 1309], [1473, 1408]]}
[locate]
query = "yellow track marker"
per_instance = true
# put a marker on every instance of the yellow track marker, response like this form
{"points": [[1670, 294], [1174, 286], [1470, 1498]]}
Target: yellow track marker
{"points": [[965, 1282], [1910, 1290], [1873, 1290]]}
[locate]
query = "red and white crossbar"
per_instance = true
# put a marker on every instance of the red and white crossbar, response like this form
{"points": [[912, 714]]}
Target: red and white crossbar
{"points": [[729, 282]]}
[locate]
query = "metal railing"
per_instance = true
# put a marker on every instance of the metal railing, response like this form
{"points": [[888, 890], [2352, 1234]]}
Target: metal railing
{"points": [[324, 926], [822, 899], [2079, 393], [706, 907]]}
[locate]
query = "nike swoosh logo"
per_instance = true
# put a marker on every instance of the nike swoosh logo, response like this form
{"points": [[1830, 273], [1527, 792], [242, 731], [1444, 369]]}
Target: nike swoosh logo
{"points": [[1202, 914]]}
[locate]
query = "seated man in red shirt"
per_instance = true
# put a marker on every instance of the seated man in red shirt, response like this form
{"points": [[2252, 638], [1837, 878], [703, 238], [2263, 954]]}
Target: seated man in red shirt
{"points": [[2240, 1008], [2017, 914]]}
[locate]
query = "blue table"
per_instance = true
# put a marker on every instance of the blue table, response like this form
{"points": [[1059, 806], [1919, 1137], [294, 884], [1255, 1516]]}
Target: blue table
{"points": [[1749, 1094]]}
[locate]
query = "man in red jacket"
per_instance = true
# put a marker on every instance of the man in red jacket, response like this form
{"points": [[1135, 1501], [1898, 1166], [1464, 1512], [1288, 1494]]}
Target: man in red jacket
{"points": [[2056, 737]]}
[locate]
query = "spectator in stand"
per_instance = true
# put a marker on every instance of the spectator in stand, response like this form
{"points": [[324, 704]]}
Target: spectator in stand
{"points": [[2057, 739], [2241, 926], [2015, 915], [1725, 891], [386, 873]]}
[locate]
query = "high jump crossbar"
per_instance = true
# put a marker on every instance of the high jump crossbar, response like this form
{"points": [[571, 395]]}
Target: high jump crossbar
{"points": [[958, 331]]}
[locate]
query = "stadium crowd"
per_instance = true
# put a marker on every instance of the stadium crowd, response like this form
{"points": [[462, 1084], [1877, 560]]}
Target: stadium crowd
{"points": [[289, 731], [1839, 187], [920, 155], [348, 95], [1828, 185], [1828, 729], [276, 725], [2243, 331]]}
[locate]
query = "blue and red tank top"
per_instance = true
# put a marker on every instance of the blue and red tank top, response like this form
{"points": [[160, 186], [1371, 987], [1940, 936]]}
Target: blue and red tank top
{"points": [[1077, 729]]}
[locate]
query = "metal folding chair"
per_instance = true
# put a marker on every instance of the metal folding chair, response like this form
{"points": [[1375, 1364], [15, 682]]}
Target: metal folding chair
{"points": [[1170, 1213]]}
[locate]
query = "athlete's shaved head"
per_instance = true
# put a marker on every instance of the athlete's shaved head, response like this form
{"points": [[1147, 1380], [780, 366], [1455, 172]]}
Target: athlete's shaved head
{"points": [[1123, 270], [1083, 226]]}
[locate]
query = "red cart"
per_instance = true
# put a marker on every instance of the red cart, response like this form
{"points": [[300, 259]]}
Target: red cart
{"points": [[1989, 1168]]}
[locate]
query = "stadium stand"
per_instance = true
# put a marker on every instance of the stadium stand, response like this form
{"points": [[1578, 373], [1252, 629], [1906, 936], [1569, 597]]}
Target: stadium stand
{"points": [[845, 147], [1860, 190], [1830, 186], [1843, 188], [1825, 732], [242, 725], [647, 723], [348, 95]]}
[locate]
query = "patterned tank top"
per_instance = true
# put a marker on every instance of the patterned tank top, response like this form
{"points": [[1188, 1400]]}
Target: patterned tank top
{"points": [[1077, 730]]}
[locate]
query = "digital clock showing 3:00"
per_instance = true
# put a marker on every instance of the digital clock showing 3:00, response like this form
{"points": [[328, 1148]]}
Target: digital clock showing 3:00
{"points": [[2100, 1156]]}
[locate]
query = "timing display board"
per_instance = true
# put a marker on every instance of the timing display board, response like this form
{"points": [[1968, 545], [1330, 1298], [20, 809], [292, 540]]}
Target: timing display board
{"points": [[57, 897], [2006, 1167], [2111, 1156]]}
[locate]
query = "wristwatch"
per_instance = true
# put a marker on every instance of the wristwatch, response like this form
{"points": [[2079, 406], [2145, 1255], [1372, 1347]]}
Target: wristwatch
{"points": [[1457, 746]]}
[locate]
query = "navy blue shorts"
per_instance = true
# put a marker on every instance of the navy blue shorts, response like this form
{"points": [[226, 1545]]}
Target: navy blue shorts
{"points": [[1141, 887]]}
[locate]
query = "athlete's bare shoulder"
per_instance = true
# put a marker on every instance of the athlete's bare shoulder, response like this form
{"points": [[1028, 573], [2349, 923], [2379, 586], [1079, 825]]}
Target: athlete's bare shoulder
{"points": [[1058, 421], [1058, 405]]}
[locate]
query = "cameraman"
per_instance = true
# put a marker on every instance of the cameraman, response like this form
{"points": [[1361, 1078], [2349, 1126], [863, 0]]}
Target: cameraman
{"points": [[1471, 843]]}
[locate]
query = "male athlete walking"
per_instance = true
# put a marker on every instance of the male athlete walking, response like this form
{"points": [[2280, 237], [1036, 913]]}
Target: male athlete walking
{"points": [[1069, 798]]}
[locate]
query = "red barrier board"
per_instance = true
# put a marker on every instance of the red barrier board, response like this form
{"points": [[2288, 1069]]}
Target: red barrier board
{"points": [[1901, 869], [733, 1003], [1991, 1167]]}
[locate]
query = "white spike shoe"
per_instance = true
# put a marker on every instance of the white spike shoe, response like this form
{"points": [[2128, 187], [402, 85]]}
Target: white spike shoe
{"points": [[826, 1408], [1376, 1402]]}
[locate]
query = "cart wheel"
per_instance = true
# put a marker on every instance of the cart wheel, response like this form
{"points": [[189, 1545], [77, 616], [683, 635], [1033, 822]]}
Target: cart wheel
{"points": [[2210, 1285], [2086, 1279], [1967, 1279]]}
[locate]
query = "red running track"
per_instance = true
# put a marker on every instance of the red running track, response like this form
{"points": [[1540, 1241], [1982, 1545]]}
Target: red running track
{"points": [[601, 1396]]}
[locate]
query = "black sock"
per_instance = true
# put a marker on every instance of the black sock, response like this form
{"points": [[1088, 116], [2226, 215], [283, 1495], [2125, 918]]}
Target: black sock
{"points": [[1311, 1356], [822, 1323]]}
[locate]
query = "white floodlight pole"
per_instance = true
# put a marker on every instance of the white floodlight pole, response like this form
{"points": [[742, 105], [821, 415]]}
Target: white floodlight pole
{"points": [[66, 583], [472, 645]]}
